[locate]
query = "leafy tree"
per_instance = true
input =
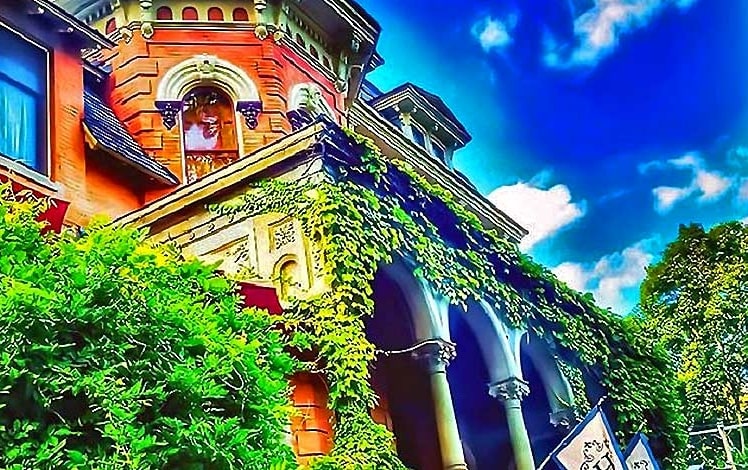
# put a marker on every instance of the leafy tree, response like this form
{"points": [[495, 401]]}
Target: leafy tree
{"points": [[695, 302], [118, 353]]}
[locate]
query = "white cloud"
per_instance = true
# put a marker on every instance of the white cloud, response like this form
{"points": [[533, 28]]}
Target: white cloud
{"points": [[598, 30], [709, 185], [614, 278], [494, 33], [543, 212], [667, 196], [689, 160]]}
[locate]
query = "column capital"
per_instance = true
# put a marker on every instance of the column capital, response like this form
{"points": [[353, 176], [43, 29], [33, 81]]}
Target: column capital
{"points": [[512, 388], [435, 354], [564, 419]]}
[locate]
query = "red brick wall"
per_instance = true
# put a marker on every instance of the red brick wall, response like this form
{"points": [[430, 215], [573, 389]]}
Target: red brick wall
{"points": [[311, 428], [109, 187], [139, 65]]}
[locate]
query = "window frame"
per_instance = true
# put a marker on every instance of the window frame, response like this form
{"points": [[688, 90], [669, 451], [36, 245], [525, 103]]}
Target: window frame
{"points": [[44, 150]]}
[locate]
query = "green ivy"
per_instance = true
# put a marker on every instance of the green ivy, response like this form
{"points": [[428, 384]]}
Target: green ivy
{"points": [[358, 231]]}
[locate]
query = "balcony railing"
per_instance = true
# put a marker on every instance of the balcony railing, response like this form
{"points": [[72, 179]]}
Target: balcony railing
{"points": [[202, 162]]}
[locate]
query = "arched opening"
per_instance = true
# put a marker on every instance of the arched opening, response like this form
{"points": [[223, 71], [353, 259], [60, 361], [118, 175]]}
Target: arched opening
{"points": [[326, 62], [111, 26], [299, 40], [215, 14], [288, 274], [189, 14], [400, 380], [313, 51], [209, 131], [165, 14], [240, 14], [549, 393], [480, 417]]}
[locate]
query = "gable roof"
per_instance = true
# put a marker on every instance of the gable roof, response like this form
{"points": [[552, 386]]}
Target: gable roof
{"points": [[111, 136]]}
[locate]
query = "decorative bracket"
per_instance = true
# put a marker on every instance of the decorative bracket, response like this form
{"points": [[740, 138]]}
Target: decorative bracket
{"points": [[299, 118], [250, 110], [512, 388], [564, 419], [169, 112]]}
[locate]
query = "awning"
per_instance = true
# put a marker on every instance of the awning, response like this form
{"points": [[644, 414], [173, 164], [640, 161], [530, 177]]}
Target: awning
{"points": [[54, 215], [260, 297]]}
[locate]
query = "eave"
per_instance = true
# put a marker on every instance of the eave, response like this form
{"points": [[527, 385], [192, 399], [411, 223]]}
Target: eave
{"points": [[70, 24], [223, 179], [93, 143], [369, 122]]}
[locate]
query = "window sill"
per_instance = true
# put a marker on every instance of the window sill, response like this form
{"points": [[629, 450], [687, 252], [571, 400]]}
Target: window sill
{"points": [[15, 168]]}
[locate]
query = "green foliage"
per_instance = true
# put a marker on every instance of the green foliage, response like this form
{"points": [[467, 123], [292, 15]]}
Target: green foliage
{"points": [[116, 353], [694, 301], [359, 230]]}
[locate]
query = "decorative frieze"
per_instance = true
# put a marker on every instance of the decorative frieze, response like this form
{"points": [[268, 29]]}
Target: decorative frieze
{"points": [[512, 388], [283, 235]]}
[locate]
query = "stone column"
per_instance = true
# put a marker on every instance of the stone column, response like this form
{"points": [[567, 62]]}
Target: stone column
{"points": [[511, 391], [436, 355]]}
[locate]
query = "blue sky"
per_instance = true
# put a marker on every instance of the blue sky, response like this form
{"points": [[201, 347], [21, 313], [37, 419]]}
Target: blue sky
{"points": [[600, 125]]}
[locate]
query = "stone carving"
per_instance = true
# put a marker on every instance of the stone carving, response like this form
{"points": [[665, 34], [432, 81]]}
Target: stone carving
{"points": [[169, 112], [251, 112], [512, 388], [435, 354], [283, 235], [564, 419]]}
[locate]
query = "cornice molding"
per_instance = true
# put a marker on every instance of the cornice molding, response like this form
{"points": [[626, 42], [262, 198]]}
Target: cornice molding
{"points": [[368, 118]]}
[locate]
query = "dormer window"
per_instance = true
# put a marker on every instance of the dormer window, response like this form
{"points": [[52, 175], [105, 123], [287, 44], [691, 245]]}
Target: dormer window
{"points": [[424, 118], [418, 136], [437, 150], [209, 131]]}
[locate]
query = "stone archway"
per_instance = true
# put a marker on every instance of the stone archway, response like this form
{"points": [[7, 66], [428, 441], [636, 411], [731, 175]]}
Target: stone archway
{"points": [[549, 409], [400, 320], [207, 70]]}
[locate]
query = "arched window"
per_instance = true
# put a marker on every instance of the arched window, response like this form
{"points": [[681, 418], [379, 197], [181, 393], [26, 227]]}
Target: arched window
{"points": [[111, 26], [326, 62], [189, 14], [289, 277], [240, 14], [209, 131], [215, 14], [165, 14], [313, 51], [300, 40]]}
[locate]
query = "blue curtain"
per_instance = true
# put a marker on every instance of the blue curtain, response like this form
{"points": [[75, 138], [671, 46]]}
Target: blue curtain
{"points": [[19, 118], [23, 71]]}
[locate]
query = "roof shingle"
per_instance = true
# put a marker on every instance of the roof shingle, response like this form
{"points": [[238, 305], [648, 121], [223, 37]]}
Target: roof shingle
{"points": [[112, 136]]}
